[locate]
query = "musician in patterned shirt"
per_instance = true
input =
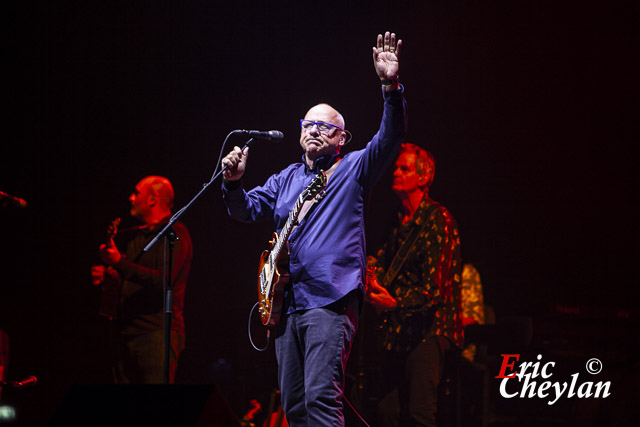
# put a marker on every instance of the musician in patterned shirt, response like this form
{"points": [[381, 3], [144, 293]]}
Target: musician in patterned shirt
{"points": [[414, 282]]}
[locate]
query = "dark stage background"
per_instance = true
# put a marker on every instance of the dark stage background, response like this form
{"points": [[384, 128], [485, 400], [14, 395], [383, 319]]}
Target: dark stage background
{"points": [[529, 107]]}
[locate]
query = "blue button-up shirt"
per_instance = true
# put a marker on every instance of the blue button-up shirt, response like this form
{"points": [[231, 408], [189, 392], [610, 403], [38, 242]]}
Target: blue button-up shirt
{"points": [[327, 249]]}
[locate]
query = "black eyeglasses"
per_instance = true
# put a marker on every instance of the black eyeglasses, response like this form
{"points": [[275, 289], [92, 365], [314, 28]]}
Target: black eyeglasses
{"points": [[323, 127]]}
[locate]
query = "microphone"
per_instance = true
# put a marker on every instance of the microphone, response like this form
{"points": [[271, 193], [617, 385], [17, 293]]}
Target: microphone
{"points": [[22, 383], [27, 382], [13, 200], [270, 135]]}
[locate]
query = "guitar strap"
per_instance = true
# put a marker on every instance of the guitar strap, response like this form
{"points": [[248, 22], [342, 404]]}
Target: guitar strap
{"points": [[405, 249], [309, 203]]}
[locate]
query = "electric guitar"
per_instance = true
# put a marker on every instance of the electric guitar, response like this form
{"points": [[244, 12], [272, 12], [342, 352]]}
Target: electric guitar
{"points": [[110, 287], [274, 263]]}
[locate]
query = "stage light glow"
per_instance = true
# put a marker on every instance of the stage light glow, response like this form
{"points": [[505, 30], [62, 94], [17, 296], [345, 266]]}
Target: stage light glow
{"points": [[7, 413]]}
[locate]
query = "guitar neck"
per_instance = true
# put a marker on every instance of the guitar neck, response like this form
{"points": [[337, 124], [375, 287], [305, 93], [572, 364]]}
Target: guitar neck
{"points": [[286, 230]]}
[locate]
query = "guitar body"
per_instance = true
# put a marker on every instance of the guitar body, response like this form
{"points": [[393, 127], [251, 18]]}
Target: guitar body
{"points": [[273, 270], [271, 284]]}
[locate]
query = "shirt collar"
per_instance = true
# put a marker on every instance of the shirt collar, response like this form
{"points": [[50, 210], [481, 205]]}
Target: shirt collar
{"points": [[418, 216], [323, 162], [149, 228]]}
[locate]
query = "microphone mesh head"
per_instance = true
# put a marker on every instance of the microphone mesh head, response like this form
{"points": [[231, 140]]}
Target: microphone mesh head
{"points": [[276, 135]]}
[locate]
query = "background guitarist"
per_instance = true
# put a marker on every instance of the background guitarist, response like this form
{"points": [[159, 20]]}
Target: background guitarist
{"points": [[415, 278], [140, 351], [327, 249]]}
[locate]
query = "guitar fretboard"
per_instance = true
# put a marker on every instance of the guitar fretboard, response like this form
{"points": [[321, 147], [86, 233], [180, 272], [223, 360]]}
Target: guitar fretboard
{"points": [[286, 230]]}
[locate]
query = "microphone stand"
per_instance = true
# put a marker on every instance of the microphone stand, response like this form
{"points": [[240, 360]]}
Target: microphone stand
{"points": [[167, 285]]}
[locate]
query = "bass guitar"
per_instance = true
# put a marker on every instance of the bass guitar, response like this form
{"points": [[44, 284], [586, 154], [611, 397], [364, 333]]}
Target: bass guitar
{"points": [[273, 270]]}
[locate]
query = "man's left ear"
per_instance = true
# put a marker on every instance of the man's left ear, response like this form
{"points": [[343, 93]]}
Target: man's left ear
{"points": [[152, 200], [343, 138]]}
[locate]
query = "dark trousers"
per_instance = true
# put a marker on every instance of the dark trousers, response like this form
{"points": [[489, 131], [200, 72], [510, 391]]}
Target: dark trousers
{"points": [[141, 358], [412, 380], [312, 348]]}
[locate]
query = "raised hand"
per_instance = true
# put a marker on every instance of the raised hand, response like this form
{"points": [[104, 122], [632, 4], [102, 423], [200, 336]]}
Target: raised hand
{"points": [[386, 55]]}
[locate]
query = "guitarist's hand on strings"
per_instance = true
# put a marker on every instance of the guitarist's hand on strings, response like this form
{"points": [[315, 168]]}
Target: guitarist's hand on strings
{"points": [[99, 273], [235, 162], [378, 296]]}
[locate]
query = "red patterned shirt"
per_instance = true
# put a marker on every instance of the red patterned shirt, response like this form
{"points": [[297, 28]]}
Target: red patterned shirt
{"points": [[427, 287]]}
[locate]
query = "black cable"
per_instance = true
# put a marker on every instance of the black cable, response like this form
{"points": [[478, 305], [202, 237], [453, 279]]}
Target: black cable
{"points": [[215, 171], [249, 332], [354, 410]]}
